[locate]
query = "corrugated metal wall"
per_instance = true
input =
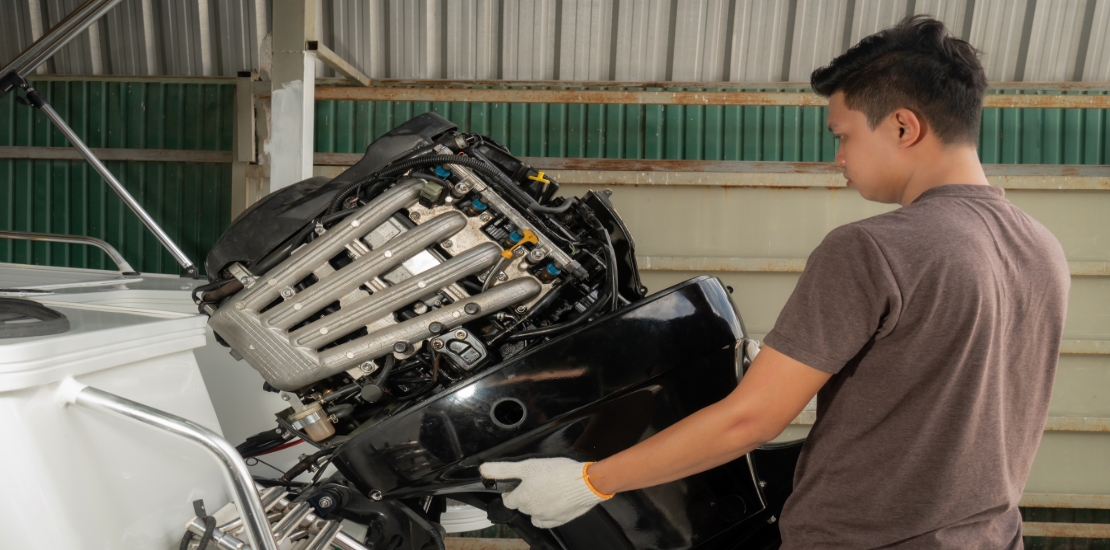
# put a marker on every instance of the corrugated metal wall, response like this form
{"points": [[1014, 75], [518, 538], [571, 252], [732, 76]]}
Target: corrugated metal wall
{"points": [[797, 134], [190, 200], [691, 40]]}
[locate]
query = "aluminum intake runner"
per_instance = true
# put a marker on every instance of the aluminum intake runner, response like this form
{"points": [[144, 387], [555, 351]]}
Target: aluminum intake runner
{"points": [[281, 332]]}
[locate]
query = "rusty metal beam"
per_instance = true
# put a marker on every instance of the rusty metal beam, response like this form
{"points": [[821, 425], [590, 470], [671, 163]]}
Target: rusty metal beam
{"points": [[460, 543], [341, 66], [408, 83], [1061, 500], [707, 86], [1085, 347], [792, 265], [149, 155], [725, 173], [641, 97], [1073, 530]]}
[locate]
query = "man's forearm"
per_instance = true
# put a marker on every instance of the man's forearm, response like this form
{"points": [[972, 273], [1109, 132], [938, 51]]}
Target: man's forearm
{"points": [[771, 394], [703, 440]]}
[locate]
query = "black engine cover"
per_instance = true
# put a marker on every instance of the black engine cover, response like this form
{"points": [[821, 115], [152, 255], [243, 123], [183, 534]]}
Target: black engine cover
{"points": [[270, 222], [587, 395]]}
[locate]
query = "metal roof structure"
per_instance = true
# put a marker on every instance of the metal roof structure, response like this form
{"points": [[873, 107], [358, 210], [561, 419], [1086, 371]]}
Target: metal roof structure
{"points": [[615, 40]]}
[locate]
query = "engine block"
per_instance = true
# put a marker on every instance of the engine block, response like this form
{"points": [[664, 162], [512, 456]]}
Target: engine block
{"points": [[265, 325]]}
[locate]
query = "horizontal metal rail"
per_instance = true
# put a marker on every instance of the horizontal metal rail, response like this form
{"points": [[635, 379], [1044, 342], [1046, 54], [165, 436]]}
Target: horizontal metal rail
{"points": [[1064, 500], [106, 154], [72, 239], [238, 477], [1054, 423], [754, 174], [408, 83], [792, 265], [641, 97], [1073, 530]]}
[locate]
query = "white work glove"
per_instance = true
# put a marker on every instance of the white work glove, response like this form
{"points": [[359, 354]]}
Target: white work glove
{"points": [[552, 490]]}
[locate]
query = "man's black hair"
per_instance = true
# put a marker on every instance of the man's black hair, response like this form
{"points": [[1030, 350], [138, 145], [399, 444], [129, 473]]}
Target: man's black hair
{"points": [[914, 65]]}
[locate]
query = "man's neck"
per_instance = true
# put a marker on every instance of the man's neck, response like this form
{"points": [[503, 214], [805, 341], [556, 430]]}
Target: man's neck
{"points": [[947, 166]]}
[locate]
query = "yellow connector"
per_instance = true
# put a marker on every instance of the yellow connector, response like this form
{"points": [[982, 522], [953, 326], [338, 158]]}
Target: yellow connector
{"points": [[529, 237]]}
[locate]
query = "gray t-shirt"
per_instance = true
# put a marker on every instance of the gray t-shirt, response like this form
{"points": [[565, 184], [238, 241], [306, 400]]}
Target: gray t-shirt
{"points": [[941, 324]]}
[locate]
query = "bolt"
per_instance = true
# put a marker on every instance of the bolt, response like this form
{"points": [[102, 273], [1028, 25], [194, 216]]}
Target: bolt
{"points": [[246, 281], [521, 310], [447, 244], [285, 397], [414, 216], [287, 293], [240, 305], [354, 223], [472, 308], [334, 420], [462, 188], [486, 217], [519, 251], [437, 344], [502, 277], [376, 495], [435, 328], [401, 347], [367, 367], [536, 255], [460, 334], [420, 308], [325, 502]]}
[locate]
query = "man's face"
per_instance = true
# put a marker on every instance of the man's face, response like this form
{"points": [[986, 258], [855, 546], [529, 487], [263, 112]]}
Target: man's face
{"points": [[871, 158]]}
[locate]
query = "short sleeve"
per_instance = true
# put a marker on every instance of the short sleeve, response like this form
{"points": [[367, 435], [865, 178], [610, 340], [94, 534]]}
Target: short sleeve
{"points": [[846, 293]]}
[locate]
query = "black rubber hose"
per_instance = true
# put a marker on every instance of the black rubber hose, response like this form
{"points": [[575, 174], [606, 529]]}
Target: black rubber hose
{"points": [[279, 255], [602, 298], [537, 308], [428, 386], [210, 287], [553, 209]]}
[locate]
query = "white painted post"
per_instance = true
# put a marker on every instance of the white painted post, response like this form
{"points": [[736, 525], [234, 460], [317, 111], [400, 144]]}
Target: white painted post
{"points": [[294, 86]]}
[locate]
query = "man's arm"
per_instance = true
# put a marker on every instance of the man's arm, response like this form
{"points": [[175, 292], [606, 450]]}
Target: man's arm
{"points": [[772, 393]]}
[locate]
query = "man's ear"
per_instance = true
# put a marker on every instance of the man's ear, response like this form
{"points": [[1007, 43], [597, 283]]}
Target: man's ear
{"points": [[911, 127]]}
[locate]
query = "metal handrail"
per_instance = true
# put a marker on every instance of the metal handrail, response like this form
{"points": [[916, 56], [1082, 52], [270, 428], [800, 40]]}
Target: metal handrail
{"points": [[67, 29], [72, 239], [238, 477]]}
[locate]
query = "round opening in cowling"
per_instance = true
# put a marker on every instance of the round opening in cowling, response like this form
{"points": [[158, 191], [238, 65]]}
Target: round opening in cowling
{"points": [[508, 413]]}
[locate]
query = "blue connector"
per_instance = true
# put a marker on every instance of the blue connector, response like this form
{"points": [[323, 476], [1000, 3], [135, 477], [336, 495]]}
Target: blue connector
{"points": [[442, 173]]}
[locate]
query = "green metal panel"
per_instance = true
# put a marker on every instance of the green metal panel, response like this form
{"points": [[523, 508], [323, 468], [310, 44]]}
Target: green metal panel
{"points": [[192, 201], [696, 132]]}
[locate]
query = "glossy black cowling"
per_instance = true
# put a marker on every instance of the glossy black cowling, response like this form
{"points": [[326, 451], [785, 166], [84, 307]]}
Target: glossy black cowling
{"points": [[586, 396]]}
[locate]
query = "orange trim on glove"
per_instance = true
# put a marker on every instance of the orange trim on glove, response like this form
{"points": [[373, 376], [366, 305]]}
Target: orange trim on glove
{"points": [[586, 478]]}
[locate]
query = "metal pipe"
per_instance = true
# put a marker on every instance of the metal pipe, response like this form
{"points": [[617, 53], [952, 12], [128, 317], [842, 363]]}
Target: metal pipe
{"points": [[325, 536], [72, 239], [347, 542], [238, 477], [222, 540], [67, 29], [120, 190], [292, 520]]}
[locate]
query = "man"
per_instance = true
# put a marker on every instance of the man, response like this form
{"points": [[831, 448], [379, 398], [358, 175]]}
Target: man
{"points": [[930, 334]]}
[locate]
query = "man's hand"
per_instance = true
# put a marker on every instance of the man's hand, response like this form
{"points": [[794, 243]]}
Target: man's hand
{"points": [[552, 490]]}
